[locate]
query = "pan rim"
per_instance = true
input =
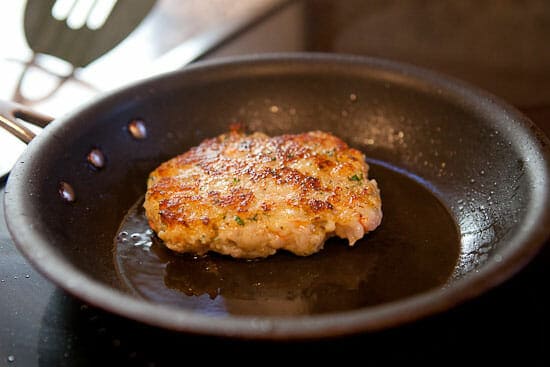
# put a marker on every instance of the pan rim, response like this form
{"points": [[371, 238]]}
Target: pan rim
{"points": [[387, 315]]}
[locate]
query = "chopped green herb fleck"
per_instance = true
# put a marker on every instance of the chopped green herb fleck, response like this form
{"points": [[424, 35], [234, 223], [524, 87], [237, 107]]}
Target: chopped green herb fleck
{"points": [[254, 218], [356, 178], [273, 159], [239, 220], [235, 180]]}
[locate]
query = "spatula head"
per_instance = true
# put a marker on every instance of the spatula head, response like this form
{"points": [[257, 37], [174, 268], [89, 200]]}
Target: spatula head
{"points": [[47, 35]]}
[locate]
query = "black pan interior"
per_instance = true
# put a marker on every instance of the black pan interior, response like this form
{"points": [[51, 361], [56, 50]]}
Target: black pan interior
{"points": [[480, 159]]}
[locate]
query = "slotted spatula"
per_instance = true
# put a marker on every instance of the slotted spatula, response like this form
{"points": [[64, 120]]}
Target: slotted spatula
{"points": [[82, 44], [51, 36]]}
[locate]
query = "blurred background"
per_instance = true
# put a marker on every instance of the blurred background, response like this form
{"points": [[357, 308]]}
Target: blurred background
{"points": [[498, 45]]}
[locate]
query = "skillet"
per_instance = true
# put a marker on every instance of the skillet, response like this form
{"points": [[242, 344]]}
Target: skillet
{"points": [[464, 181]]}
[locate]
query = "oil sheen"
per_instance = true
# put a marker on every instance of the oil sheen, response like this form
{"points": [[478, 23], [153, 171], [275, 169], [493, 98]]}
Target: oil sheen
{"points": [[414, 249]]}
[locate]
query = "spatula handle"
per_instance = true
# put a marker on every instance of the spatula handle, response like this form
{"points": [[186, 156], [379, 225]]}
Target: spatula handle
{"points": [[10, 112]]}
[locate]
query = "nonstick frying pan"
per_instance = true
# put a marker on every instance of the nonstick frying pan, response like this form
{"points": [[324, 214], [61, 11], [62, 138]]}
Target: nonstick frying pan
{"points": [[464, 180]]}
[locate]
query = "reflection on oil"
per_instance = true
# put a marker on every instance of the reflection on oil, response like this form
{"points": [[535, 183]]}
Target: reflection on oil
{"points": [[415, 249], [284, 285]]}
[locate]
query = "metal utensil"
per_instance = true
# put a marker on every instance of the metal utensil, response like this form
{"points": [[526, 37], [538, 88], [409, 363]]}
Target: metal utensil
{"points": [[77, 31]]}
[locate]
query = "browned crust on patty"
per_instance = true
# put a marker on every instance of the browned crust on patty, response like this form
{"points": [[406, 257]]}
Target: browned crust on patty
{"points": [[278, 189]]}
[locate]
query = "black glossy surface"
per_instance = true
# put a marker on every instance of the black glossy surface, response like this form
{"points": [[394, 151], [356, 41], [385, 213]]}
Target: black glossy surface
{"points": [[458, 140], [52, 328]]}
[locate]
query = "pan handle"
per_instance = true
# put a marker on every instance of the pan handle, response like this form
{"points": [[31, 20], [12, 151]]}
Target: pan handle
{"points": [[11, 111]]}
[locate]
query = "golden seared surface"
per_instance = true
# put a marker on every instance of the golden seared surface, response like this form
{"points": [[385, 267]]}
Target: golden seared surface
{"points": [[249, 195]]}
